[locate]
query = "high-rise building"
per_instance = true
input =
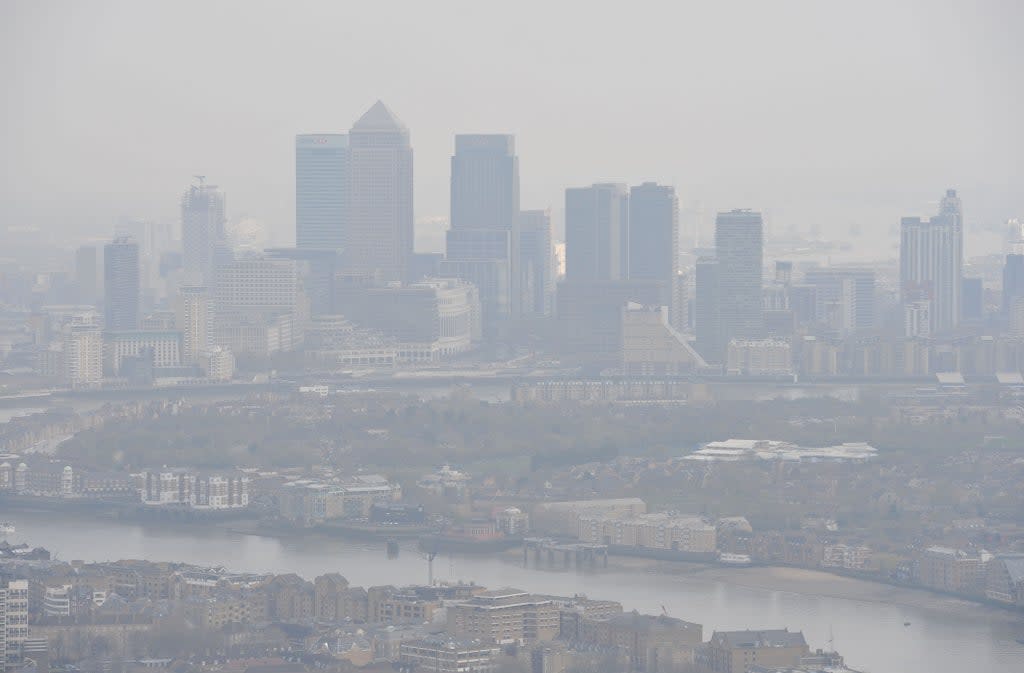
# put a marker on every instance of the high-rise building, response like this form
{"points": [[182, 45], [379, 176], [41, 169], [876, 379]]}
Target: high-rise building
{"points": [[83, 356], [597, 233], [707, 305], [482, 241], [193, 317], [653, 241], [845, 298], [536, 259], [739, 248], [87, 274], [203, 217], [1013, 281], [972, 300], [121, 284], [321, 190], [14, 622], [379, 236], [931, 262]]}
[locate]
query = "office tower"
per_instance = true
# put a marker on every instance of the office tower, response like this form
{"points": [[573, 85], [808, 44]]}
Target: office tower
{"points": [[121, 284], [202, 231], [707, 307], [321, 190], [483, 258], [1013, 281], [536, 263], [3, 629], [193, 317], [931, 262], [653, 240], [87, 274], [972, 300], [596, 233], [379, 236], [481, 245], [739, 248], [845, 298]]}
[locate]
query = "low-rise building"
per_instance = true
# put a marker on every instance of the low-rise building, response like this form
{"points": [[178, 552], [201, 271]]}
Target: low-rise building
{"points": [[443, 655], [946, 569], [1004, 579], [504, 616], [737, 651]]}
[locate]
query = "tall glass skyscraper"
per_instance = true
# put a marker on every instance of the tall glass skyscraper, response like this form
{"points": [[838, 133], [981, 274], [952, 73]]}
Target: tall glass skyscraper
{"points": [[597, 233], [536, 262], [931, 262], [121, 284], [321, 190], [482, 243], [739, 249], [379, 236], [654, 241]]}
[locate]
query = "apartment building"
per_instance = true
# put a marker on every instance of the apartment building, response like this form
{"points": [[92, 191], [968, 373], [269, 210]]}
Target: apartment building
{"points": [[504, 616]]}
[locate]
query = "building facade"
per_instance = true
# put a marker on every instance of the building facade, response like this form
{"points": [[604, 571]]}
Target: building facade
{"points": [[931, 262], [379, 234], [321, 190]]}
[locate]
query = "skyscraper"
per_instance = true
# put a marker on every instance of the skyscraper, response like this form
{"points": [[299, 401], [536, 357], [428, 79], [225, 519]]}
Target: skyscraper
{"points": [[931, 262], [536, 262], [739, 248], [86, 274], [850, 293], [707, 306], [654, 240], [653, 232], [379, 236], [321, 190], [121, 284], [202, 231], [482, 242], [597, 233], [1013, 282]]}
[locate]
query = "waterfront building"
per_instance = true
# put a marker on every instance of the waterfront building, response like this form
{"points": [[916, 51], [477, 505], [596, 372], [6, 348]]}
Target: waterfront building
{"points": [[735, 651]]}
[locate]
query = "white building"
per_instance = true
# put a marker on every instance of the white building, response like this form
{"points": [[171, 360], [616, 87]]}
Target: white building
{"points": [[165, 347], [193, 317], [917, 321], [759, 357], [83, 356]]}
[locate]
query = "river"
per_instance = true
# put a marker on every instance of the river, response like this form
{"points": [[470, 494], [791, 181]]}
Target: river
{"points": [[945, 636]]}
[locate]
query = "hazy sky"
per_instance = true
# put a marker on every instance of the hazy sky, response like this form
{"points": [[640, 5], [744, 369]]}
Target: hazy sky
{"points": [[827, 113]]}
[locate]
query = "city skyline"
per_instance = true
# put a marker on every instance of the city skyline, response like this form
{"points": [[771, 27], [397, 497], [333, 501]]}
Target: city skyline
{"points": [[693, 127]]}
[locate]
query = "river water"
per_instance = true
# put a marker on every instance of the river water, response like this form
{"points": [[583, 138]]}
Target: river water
{"points": [[870, 634]]}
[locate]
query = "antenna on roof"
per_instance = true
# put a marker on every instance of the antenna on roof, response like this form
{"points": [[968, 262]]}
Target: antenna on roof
{"points": [[201, 179]]}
